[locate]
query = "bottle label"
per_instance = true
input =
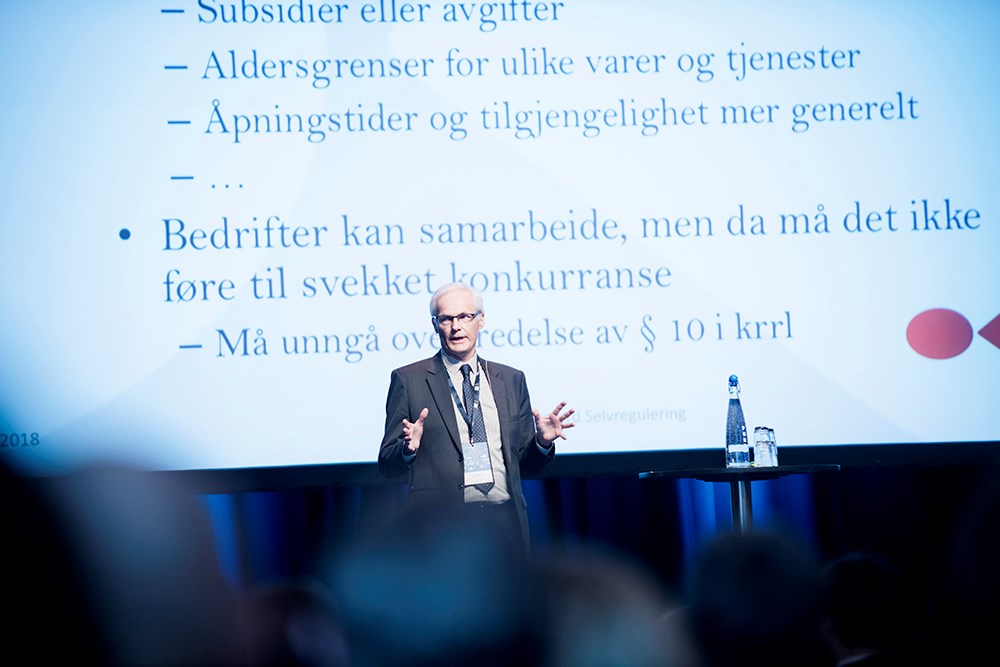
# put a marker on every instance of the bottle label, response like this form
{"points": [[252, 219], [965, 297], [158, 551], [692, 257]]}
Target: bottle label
{"points": [[738, 456]]}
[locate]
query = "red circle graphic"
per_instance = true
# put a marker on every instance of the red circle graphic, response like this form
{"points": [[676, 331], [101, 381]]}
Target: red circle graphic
{"points": [[939, 333]]}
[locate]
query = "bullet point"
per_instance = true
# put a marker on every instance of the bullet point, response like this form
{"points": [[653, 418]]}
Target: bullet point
{"points": [[124, 234]]}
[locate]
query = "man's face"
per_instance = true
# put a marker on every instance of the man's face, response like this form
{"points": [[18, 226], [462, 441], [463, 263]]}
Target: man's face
{"points": [[458, 338]]}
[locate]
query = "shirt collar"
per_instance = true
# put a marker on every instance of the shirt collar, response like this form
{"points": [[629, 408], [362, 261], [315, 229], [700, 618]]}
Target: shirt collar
{"points": [[453, 365]]}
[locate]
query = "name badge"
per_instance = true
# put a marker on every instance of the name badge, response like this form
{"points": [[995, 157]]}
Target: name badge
{"points": [[478, 468]]}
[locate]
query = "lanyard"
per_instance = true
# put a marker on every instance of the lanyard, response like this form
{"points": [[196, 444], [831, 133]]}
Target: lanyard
{"points": [[467, 416]]}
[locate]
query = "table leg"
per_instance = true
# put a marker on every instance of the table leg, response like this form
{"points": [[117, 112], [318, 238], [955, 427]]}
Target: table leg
{"points": [[742, 505]]}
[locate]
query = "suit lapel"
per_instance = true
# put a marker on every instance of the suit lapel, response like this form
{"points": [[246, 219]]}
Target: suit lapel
{"points": [[499, 389], [437, 383]]}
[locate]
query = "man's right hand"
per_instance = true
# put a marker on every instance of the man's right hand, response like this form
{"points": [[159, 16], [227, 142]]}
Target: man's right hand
{"points": [[412, 431]]}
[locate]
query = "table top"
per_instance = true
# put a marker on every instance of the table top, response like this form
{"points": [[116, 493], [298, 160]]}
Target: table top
{"points": [[737, 474]]}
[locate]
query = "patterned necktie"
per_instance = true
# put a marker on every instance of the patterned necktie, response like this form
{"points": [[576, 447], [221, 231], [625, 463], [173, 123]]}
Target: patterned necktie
{"points": [[477, 427]]}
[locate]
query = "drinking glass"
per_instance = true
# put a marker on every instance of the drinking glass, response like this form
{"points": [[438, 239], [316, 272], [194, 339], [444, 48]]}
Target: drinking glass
{"points": [[765, 449]]}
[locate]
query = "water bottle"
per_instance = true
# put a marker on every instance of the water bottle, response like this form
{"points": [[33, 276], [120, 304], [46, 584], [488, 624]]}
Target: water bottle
{"points": [[737, 445]]}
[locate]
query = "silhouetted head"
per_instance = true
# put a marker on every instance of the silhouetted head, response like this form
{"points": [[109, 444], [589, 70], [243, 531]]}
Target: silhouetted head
{"points": [[438, 585], [755, 601]]}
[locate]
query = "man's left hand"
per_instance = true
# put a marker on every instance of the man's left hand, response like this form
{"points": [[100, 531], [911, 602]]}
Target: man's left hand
{"points": [[551, 427]]}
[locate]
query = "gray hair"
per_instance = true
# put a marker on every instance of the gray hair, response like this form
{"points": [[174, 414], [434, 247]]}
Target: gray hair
{"points": [[477, 298]]}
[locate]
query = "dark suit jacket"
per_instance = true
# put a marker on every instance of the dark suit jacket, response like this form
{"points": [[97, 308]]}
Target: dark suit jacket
{"points": [[438, 471]]}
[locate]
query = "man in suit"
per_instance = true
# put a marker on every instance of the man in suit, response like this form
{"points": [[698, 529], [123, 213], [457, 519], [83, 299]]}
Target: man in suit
{"points": [[466, 435]]}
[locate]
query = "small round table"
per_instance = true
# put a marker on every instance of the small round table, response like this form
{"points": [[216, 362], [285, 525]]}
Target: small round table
{"points": [[739, 484]]}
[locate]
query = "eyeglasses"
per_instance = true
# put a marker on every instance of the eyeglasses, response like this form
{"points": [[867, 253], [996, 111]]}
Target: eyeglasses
{"points": [[461, 318]]}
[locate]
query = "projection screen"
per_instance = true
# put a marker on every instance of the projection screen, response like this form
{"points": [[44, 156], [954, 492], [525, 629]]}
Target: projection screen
{"points": [[221, 221]]}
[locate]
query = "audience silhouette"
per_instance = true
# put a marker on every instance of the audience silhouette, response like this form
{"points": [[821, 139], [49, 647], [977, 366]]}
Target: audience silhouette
{"points": [[604, 609], [754, 602], [153, 578], [439, 585], [863, 609], [295, 623], [961, 613], [45, 612], [114, 566]]}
